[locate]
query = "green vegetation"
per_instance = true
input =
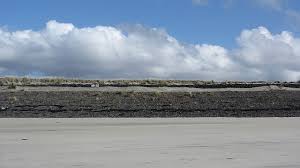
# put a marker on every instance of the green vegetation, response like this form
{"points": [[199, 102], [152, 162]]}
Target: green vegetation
{"points": [[13, 99], [157, 94], [12, 86], [7, 81]]}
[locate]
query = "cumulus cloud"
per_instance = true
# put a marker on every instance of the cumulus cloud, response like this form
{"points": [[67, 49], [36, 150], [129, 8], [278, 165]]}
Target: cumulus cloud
{"points": [[136, 52], [272, 56]]}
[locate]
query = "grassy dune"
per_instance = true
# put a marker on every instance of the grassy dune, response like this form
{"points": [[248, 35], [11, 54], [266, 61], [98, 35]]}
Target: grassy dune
{"points": [[13, 81]]}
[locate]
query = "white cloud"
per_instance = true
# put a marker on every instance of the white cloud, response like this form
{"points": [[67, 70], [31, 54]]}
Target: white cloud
{"points": [[138, 52], [272, 55]]}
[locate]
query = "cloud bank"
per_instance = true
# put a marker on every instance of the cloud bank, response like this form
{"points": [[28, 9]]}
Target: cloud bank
{"points": [[137, 52]]}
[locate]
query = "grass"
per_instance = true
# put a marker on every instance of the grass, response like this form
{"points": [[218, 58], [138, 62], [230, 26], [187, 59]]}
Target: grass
{"points": [[24, 81], [13, 99], [12, 86]]}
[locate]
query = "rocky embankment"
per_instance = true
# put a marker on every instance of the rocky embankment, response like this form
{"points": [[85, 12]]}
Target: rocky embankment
{"points": [[43, 102], [54, 97]]}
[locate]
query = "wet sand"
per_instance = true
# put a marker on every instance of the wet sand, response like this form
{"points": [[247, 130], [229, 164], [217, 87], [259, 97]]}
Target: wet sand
{"points": [[130, 143]]}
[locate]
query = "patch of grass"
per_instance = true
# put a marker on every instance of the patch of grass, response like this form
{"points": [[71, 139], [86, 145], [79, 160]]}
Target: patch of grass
{"points": [[12, 86], [25, 81], [209, 93], [48, 81], [189, 94], [156, 94], [13, 99]]}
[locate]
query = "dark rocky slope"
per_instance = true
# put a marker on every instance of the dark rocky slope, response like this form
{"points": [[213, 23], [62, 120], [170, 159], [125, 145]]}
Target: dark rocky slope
{"points": [[150, 104]]}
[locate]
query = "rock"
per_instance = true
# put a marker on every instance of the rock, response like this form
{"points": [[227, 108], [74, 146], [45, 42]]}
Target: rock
{"points": [[3, 108], [94, 85]]}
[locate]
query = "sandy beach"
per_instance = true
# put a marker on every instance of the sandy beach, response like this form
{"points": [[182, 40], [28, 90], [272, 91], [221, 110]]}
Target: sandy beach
{"points": [[130, 143]]}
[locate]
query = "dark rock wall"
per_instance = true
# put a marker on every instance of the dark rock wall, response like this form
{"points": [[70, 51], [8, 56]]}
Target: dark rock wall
{"points": [[152, 104]]}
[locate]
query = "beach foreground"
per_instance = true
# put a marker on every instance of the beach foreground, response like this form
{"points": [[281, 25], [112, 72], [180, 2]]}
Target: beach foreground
{"points": [[178, 142]]}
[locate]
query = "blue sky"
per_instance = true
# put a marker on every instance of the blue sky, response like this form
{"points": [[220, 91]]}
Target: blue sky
{"points": [[164, 39], [215, 22]]}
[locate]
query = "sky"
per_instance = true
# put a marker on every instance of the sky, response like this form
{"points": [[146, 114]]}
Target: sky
{"points": [[157, 39]]}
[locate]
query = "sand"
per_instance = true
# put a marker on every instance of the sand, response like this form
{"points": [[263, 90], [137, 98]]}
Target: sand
{"points": [[160, 143]]}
